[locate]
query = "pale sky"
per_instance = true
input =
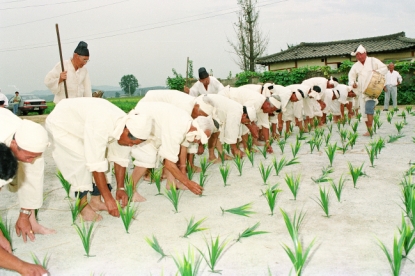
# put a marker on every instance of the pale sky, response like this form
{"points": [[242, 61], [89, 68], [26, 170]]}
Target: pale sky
{"points": [[149, 38]]}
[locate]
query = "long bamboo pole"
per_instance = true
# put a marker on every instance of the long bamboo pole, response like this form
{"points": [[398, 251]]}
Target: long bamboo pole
{"points": [[60, 55]]}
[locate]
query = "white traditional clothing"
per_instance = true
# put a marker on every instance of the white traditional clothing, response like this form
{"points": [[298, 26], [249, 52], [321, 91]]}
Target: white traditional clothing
{"points": [[4, 98], [392, 80], [265, 89], [85, 132], [170, 126], [230, 113], [362, 73], [30, 176], [77, 82], [213, 88], [174, 97]]}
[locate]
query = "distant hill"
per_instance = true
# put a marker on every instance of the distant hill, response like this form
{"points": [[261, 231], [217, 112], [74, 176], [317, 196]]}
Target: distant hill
{"points": [[109, 91]]}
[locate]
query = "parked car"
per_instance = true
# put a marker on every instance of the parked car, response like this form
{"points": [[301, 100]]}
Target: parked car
{"points": [[29, 103]]}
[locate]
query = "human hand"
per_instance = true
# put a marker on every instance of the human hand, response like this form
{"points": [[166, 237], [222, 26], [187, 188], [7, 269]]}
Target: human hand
{"points": [[63, 76], [194, 187], [354, 85], [269, 149], [122, 197], [24, 228], [112, 207], [28, 269], [4, 243]]}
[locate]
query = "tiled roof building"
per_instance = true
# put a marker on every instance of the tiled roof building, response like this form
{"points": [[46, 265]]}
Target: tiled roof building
{"points": [[389, 47]]}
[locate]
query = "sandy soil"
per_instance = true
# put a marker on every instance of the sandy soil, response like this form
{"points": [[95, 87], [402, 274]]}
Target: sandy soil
{"points": [[345, 243]]}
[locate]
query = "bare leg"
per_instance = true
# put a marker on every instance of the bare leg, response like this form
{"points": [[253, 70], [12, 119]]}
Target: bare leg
{"points": [[369, 124], [287, 126], [219, 148], [97, 204], [39, 229], [191, 160], [87, 213], [138, 172], [171, 179], [211, 147]]}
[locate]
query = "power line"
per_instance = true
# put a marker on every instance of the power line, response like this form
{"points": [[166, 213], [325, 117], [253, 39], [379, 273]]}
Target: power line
{"points": [[43, 19], [168, 23], [41, 5]]}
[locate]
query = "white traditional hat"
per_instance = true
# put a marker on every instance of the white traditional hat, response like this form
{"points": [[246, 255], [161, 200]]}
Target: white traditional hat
{"points": [[250, 110], [275, 102], [332, 81], [138, 124], [359, 49], [31, 136], [300, 94]]}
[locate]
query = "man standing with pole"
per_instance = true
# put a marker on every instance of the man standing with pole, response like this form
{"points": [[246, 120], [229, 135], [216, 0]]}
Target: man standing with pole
{"points": [[76, 76]]}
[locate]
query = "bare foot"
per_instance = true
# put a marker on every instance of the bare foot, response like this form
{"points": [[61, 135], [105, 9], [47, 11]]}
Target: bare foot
{"points": [[214, 160], [197, 169], [259, 144], [88, 214], [39, 229], [179, 185], [228, 157], [138, 198], [96, 204], [366, 134]]}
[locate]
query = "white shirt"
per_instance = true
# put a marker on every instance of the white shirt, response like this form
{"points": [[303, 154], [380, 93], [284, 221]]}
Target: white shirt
{"points": [[4, 98], [393, 78], [170, 126], [230, 113], [318, 81], [78, 82], [94, 121], [213, 88], [174, 97]]}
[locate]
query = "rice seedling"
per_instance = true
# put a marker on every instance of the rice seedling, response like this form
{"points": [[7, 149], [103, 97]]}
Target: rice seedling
{"points": [[293, 183], [344, 147], [278, 166], [376, 122], [395, 259], [291, 128], [319, 132], [43, 263], [222, 156], [330, 151], [156, 246], [324, 200], [394, 138], [295, 148], [407, 198], [251, 157], [281, 144], [128, 186], [85, 233], [127, 214], [301, 135], [190, 170], [188, 265], [312, 144], [151, 175], [215, 250], [202, 179], [408, 109], [263, 151], [380, 144], [399, 126], [65, 184], [339, 126], [248, 232], [389, 117], [250, 142], [392, 112], [409, 236], [205, 164], [324, 176], [293, 226], [270, 195], [265, 172], [309, 127], [359, 116], [343, 134], [298, 255], [354, 126], [5, 228], [76, 208], [173, 195], [372, 153], [227, 148], [193, 227], [327, 138], [403, 115], [352, 137], [224, 172], [319, 142], [343, 121], [244, 210], [377, 112], [349, 119], [316, 122], [239, 163], [355, 172], [330, 117], [338, 188], [157, 175], [370, 131]]}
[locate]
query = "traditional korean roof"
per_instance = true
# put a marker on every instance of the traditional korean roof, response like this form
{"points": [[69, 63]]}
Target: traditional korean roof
{"points": [[306, 50]]}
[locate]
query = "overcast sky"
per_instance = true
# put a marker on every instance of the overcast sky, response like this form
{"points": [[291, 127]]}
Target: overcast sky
{"points": [[149, 38]]}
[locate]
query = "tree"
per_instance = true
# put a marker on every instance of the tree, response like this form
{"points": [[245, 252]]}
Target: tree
{"points": [[251, 43], [177, 82], [129, 84]]}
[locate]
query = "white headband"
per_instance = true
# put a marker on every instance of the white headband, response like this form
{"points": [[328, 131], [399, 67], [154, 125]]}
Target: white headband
{"points": [[5, 182], [331, 81], [198, 133], [275, 102], [250, 110]]}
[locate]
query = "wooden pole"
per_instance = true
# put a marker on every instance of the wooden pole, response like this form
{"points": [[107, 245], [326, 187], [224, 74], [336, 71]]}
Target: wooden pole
{"points": [[60, 55], [187, 71]]}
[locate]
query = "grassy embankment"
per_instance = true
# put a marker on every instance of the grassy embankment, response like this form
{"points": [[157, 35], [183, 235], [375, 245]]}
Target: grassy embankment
{"points": [[126, 104]]}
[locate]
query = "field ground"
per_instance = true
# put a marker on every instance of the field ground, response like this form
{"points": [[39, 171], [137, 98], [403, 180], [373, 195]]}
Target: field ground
{"points": [[345, 243]]}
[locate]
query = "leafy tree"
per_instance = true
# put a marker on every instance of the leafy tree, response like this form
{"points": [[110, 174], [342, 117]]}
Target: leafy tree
{"points": [[250, 43], [117, 94], [129, 84], [177, 82]]}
